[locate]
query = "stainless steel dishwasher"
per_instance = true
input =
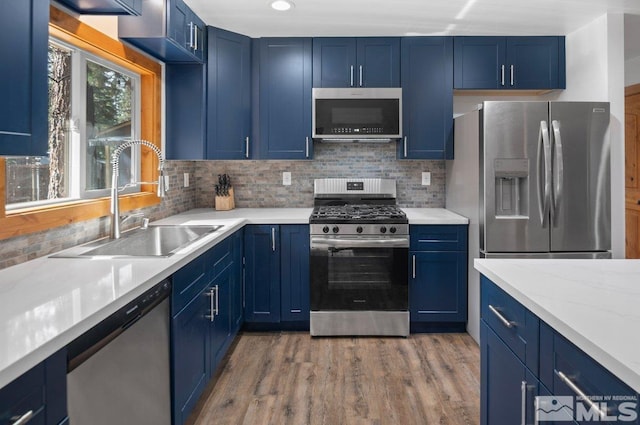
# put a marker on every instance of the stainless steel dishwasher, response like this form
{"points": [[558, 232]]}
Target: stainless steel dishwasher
{"points": [[118, 371]]}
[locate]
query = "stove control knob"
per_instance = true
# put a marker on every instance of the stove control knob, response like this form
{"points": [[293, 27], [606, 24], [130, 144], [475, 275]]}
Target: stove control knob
{"points": [[336, 229], [359, 229], [325, 229], [383, 229], [392, 229]]}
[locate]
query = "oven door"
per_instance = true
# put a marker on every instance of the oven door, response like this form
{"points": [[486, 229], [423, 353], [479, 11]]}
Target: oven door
{"points": [[359, 273]]}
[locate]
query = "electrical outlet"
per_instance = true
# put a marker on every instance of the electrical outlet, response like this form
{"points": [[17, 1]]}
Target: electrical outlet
{"points": [[186, 179], [286, 178], [426, 178], [166, 182]]}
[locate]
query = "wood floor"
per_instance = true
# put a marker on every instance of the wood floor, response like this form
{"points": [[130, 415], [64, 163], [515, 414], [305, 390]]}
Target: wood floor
{"points": [[291, 378]]}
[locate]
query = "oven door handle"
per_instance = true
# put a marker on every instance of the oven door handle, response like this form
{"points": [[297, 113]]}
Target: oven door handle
{"points": [[323, 242]]}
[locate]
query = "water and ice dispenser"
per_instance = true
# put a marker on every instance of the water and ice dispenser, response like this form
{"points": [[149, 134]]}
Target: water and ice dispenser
{"points": [[512, 187]]}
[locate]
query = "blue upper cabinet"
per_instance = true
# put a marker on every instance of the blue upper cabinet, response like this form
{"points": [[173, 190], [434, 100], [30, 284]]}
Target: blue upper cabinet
{"points": [[356, 62], [228, 95], [185, 93], [104, 7], [24, 34], [522, 63], [283, 100], [427, 98], [171, 33]]}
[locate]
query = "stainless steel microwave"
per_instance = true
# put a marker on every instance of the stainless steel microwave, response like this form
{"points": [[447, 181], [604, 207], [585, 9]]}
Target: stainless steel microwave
{"points": [[357, 114]]}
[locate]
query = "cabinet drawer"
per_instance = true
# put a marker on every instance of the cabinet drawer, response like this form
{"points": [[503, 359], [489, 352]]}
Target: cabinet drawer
{"points": [[189, 281], [26, 393], [438, 237], [221, 256], [520, 334], [568, 366]]}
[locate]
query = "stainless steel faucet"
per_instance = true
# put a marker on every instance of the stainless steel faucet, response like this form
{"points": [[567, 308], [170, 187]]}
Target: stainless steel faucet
{"points": [[114, 231]]}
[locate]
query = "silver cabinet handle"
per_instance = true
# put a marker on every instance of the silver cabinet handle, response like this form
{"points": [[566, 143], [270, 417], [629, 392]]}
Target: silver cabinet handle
{"points": [[246, 147], [512, 72], [564, 378], [360, 75], [502, 75], [196, 30], [306, 141], [191, 35], [217, 310], [523, 403], [405, 146], [211, 305], [413, 266], [509, 324], [23, 419], [351, 73], [273, 239]]}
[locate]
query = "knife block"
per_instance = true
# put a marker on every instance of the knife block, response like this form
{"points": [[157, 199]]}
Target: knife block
{"points": [[225, 203]]}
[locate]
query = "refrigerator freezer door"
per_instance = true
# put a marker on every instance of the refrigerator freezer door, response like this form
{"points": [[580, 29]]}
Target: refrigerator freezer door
{"points": [[581, 208], [515, 171]]}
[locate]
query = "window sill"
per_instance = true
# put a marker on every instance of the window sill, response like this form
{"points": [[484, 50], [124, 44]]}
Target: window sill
{"points": [[30, 220]]}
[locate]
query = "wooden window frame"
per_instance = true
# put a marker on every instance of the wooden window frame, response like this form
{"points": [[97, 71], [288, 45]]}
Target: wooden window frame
{"points": [[29, 220]]}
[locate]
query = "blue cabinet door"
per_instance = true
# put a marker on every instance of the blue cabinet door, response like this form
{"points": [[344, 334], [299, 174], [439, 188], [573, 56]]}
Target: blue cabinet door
{"points": [[508, 391], [237, 285], [535, 62], [185, 106], [427, 98], [220, 316], [285, 98], [479, 63], [228, 94], [294, 283], [262, 273], [522, 63], [438, 290], [334, 62], [24, 35], [167, 30], [356, 62], [378, 62], [190, 355]]}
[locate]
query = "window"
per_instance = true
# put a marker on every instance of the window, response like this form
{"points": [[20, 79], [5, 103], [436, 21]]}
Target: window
{"points": [[93, 107], [78, 183]]}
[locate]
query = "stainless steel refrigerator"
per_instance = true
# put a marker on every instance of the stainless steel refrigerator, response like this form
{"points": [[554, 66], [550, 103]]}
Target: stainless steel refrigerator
{"points": [[534, 180]]}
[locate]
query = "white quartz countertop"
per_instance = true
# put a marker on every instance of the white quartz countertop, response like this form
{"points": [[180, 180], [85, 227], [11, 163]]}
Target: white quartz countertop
{"points": [[595, 304], [48, 302], [433, 216]]}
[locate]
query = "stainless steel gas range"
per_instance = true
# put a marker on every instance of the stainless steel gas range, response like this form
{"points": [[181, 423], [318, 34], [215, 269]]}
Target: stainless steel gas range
{"points": [[359, 259]]}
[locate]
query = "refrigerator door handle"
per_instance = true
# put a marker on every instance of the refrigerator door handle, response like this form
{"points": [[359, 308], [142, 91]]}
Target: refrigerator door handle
{"points": [[558, 167], [544, 186]]}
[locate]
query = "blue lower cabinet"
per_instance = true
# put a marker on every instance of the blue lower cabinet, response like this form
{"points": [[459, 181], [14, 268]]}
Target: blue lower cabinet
{"points": [[294, 240], [220, 315], [237, 283], [39, 394], [438, 277], [190, 352], [508, 389], [277, 276], [262, 273]]}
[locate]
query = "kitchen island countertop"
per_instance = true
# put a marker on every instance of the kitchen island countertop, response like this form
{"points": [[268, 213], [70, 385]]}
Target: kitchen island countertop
{"points": [[592, 303]]}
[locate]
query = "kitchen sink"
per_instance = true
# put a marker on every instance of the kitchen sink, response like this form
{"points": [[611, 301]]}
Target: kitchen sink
{"points": [[153, 241]]}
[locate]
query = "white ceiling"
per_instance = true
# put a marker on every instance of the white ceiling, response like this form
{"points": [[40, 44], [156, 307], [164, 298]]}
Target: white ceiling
{"points": [[255, 18]]}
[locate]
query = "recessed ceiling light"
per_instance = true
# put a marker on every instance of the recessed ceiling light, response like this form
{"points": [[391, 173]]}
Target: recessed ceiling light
{"points": [[281, 5]]}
